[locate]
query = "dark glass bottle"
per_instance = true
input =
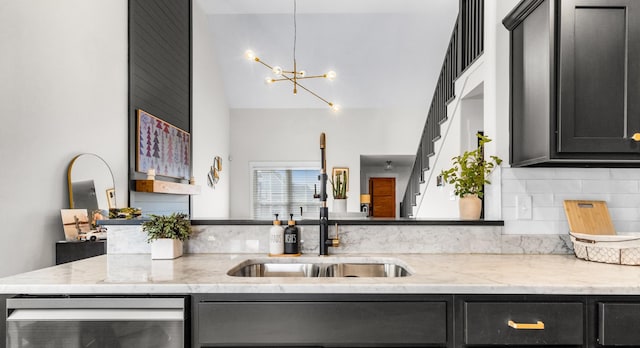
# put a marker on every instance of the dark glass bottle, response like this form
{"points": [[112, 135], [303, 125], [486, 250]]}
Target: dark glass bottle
{"points": [[291, 238]]}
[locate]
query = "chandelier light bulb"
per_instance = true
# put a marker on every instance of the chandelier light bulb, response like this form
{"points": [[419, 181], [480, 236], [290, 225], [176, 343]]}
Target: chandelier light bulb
{"points": [[331, 75], [334, 107], [250, 55], [302, 73], [268, 80], [277, 70]]}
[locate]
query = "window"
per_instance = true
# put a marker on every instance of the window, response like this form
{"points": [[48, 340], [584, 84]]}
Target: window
{"points": [[283, 190]]}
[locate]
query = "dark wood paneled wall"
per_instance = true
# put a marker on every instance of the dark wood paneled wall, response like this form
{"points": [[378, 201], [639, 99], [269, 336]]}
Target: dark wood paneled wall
{"points": [[160, 73]]}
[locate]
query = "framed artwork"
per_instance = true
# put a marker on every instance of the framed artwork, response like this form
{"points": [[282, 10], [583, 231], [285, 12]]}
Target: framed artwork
{"points": [[340, 170], [162, 147], [74, 222], [111, 197]]}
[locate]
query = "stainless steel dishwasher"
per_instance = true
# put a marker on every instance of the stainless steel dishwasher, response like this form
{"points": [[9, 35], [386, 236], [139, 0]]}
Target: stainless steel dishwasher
{"points": [[96, 322]]}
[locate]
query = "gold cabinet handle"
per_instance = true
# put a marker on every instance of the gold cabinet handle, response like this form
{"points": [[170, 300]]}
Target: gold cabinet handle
{"points": [[521, 326], [636, 136]]}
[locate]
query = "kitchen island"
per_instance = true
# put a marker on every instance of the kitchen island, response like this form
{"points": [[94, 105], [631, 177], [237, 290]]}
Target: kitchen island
{"points": [[430, 274], [447, 300]]}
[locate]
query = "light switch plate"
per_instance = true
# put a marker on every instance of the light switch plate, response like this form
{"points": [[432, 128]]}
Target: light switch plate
{"points": [[524, 207]]}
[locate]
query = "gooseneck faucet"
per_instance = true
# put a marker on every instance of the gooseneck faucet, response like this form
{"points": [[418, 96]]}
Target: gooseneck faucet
{"points": [[325, 241]]}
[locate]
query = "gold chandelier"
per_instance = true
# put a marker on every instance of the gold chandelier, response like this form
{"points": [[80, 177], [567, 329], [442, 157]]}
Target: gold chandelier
{"points": [[295, 75]]}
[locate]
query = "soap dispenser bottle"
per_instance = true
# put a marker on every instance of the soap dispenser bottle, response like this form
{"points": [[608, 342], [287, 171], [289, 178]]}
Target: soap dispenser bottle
{"points": [[276, 238], [291, 238]]}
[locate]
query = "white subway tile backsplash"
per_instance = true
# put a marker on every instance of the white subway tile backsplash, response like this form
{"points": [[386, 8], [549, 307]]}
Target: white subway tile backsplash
{"points": [[623, 200], [625, 174], [582, 173], [556, 173], [609, 186], [548, 213], [549, 187], [509, 213], [553, 186], [624, 214], [528, 173], [508, 200], [627, 226], [542, 199], [514, 186]]}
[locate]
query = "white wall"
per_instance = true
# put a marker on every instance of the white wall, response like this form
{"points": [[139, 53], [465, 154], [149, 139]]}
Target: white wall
{"points": [[63, 91], [282, 135], [210, 123]]}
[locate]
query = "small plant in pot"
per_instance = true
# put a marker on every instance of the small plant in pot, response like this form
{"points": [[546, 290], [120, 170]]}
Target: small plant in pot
{"points": [[339, 183], [469, 175], [166, 234]]}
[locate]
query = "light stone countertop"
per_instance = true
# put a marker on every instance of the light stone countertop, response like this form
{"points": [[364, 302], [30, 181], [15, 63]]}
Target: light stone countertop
{"points": [[431, 274]]}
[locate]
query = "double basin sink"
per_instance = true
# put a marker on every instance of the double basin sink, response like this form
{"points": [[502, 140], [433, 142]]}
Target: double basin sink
{"points": [[319, 268]]}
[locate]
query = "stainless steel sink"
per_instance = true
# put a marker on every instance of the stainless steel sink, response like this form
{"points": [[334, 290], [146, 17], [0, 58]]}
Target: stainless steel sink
{"points": [[387, 270], [277, 270], [295, 268]]}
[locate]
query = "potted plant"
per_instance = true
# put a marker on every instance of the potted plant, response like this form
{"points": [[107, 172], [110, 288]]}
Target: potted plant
{"points": [[339, 185], [166, 234], [469, 175]]}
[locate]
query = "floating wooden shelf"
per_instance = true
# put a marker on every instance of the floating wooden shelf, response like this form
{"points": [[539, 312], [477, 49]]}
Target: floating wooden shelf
{"points": [[156, 186]]}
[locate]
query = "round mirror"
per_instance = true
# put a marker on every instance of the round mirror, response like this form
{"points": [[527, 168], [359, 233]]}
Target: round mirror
{"points": [[91, 184]]}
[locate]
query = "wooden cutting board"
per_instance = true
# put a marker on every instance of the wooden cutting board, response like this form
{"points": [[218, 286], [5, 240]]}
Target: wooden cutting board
{"points": [[589, 217]]}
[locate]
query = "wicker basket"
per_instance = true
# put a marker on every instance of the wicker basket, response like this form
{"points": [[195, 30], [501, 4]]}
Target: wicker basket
{"points": [[616, 249]]}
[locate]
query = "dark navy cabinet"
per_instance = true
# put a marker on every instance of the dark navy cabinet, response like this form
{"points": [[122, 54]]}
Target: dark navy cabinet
{"points": [[575, 79]]}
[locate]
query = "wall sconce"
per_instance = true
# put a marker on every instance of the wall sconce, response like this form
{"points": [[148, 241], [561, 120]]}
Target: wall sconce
{"points": [[214, 172]]}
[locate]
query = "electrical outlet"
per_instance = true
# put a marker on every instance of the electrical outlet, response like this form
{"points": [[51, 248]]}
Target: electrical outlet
{"points": [[452, 196], [523, 207]]}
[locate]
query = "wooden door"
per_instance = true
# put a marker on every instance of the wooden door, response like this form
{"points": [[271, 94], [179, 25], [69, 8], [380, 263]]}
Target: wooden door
{"points": [[383, 197]]}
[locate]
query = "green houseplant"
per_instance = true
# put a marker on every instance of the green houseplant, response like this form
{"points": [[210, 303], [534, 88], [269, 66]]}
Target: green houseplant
{"points": [[339, 184], [469, 175], [166, 234]]}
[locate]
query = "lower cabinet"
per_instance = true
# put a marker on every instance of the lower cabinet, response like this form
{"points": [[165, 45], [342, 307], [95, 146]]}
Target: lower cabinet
{"points": [[516, 321], [324, 321], [615, 321], [364, 320]]}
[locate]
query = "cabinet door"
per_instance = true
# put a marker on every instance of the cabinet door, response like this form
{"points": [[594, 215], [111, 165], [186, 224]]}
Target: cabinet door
{"points": [[500, 323], [599, 76], [618, 324], [335, 324]]}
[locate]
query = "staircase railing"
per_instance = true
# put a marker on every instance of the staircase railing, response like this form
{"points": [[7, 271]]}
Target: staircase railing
{"points": [[465, 46]]}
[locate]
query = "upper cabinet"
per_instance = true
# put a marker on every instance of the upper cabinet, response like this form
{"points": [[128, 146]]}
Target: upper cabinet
{"points": [[575, 82]]}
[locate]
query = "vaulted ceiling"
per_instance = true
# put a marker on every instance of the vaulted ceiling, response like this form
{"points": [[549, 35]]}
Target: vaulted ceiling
{"points": [[387, 53]]}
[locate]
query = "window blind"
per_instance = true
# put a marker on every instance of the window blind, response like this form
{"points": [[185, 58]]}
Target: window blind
{"points": [[283, 191]]}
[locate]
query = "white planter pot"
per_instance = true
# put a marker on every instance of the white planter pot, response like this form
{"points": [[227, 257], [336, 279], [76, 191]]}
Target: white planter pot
{"points": [[165, 249], [470, 207], [340, 205]]}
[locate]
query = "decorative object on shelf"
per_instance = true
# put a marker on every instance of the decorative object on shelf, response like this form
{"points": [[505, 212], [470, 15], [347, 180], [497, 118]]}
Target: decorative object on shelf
{"points": [[151, 174], [214, 172], [124, 213], [158, 186], [469, 175], [75, 222], [162, 147], [365, 201], [166, 234], [90, 183], [340, 186], [294, 75]]}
